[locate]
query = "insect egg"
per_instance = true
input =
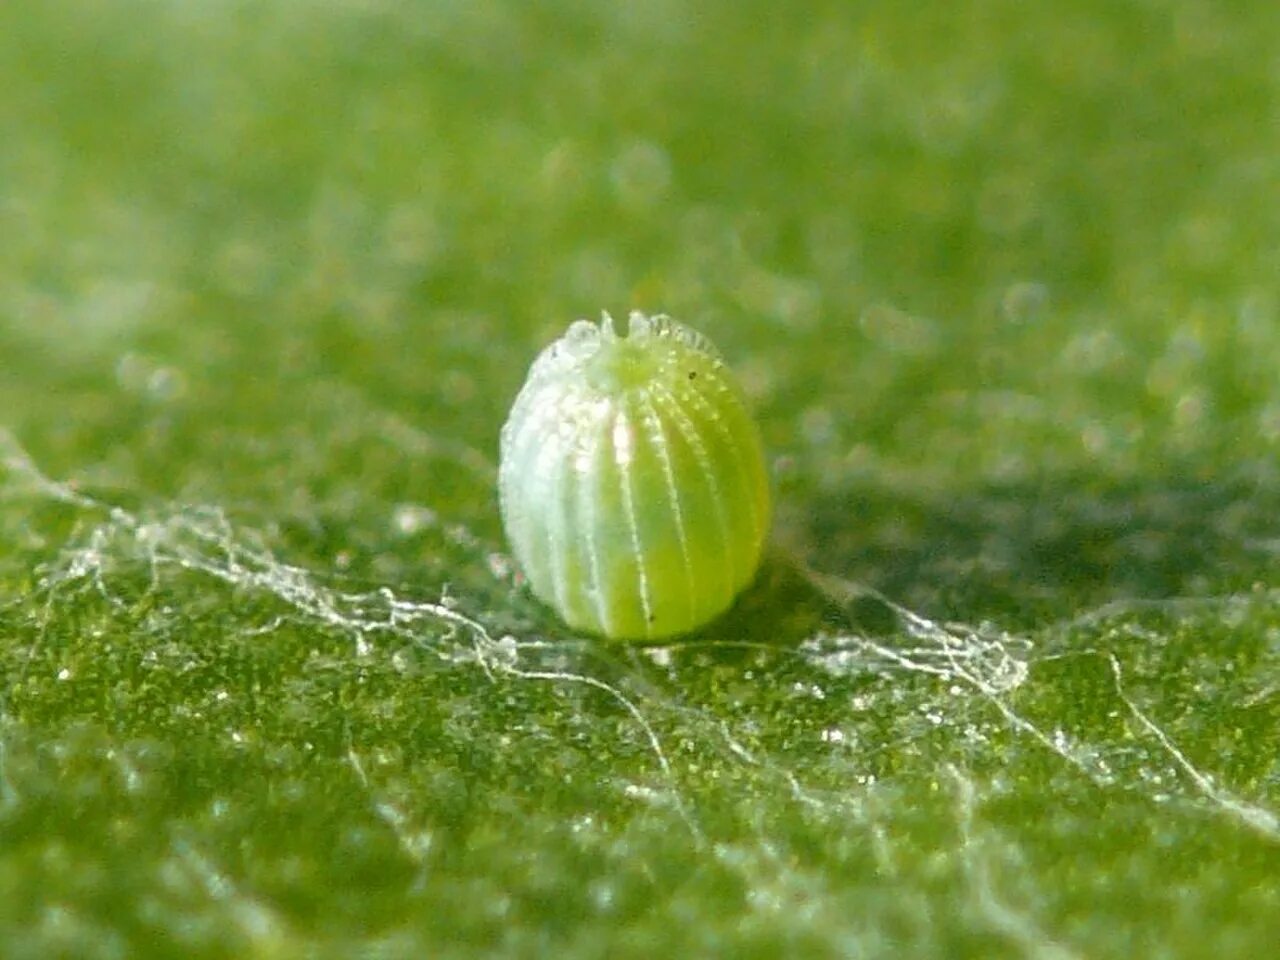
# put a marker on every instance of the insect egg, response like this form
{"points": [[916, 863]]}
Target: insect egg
{"points": [[632, 480]]}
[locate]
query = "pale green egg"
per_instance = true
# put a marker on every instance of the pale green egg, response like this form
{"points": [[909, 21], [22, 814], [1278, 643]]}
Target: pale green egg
{"points": [[632, 480]]}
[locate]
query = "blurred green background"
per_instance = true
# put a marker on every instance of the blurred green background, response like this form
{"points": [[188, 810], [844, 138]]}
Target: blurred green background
{"points": [[1001, 282]]}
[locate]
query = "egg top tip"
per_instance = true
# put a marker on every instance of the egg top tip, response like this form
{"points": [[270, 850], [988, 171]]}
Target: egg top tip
{"points": [[604, 361]]}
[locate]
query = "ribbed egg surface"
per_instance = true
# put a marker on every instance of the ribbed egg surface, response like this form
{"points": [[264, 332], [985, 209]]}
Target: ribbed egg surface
{"points": [[632, 480]]}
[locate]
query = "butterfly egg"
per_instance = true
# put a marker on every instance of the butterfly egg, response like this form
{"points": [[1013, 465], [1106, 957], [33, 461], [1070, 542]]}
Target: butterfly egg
{"points": [[632, 480]]}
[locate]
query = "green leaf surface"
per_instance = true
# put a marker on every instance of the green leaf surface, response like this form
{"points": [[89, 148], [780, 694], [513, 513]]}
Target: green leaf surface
{"points": [[1000, 281]]}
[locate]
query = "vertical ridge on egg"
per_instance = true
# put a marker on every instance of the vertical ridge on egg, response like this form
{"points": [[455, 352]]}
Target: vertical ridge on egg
{"points": [[632, 481]]}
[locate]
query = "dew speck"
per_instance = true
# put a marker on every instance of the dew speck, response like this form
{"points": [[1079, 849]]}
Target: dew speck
{"points": [[603, 894], [1007, 205], [1269, 422], [1024, 302], [562, 168], [458, 388], [145, 377], [1190, 410], [788, 301], [1256, 318], [500, 565], [242, 267], [410, 519], [817, 425], [898, 331], [639, 792], [505, 652], [661, 656], [640, 174], [1095, 438], [412, 236], [1093, 351]]}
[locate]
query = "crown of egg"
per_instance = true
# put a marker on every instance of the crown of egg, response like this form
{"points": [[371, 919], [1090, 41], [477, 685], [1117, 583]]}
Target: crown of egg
{"points": [[632, 480]]}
